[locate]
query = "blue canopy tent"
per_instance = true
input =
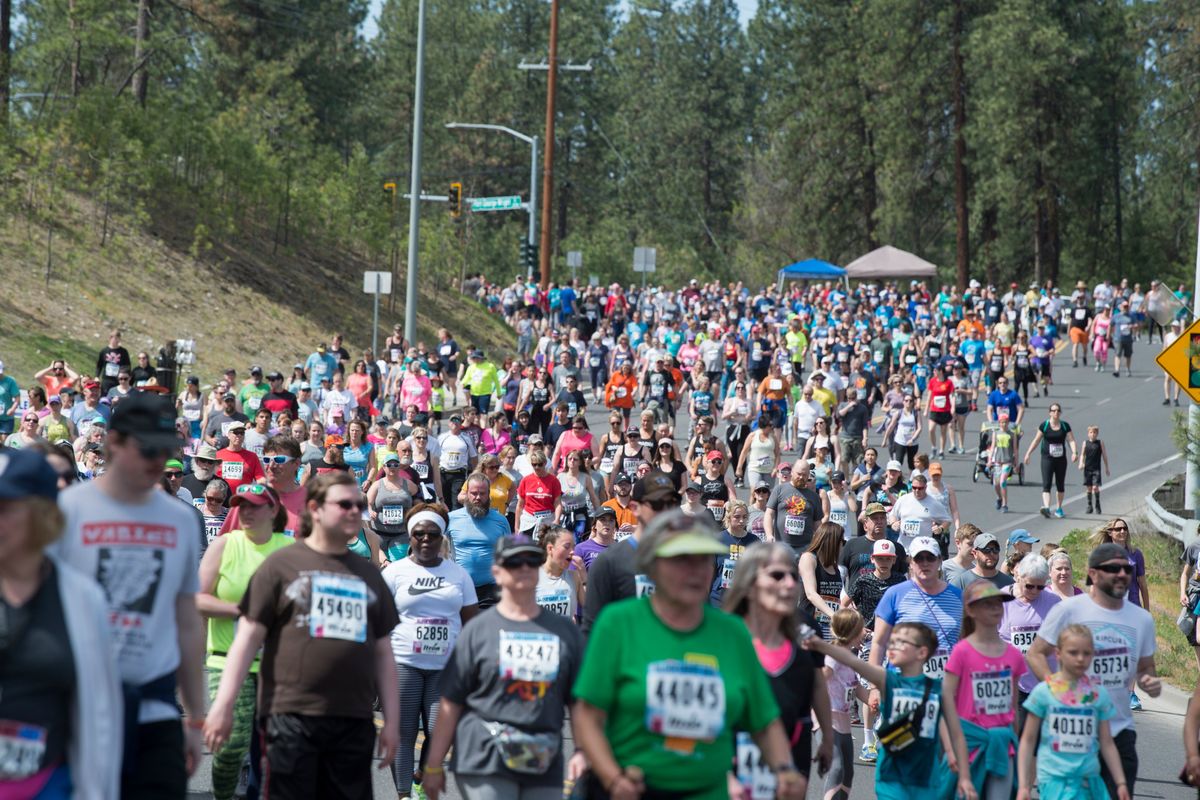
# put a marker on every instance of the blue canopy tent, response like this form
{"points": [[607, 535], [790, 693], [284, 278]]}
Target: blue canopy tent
{"points": [[812, 269]]}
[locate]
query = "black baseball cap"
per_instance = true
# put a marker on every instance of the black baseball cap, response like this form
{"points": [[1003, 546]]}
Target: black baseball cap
{"points": [[149, 418], [604, 511]]}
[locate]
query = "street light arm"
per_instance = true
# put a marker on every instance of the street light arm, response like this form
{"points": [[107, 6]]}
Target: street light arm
{"points": [[487, 127]]}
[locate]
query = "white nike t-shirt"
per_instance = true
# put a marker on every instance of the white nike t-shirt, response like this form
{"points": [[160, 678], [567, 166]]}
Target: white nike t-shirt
{"points": [[429, 601]]}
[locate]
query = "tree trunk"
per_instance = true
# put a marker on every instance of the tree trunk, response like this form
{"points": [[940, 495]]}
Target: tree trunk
{"points": [[5, 59], [1116, 179], [987, 242], [870, 196], [961, 216], [76, 49], [141, 34]]}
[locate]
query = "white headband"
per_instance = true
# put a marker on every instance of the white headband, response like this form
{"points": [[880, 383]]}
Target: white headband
{"points": [[427, 516]]}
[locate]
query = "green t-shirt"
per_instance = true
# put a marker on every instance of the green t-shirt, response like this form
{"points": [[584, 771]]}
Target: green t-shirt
{"points": [[652, 681], [251, 396], [913, 769], [9, 391]]}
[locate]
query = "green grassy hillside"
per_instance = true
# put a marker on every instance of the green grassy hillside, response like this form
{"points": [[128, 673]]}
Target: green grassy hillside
{"points": [[239, 301]]}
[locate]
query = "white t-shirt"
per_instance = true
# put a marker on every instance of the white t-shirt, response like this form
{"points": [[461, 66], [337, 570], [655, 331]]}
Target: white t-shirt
{"points": [[455, 452], [806, 414], [144, 557], [1121, 638], [917, 516], [429, 601]]}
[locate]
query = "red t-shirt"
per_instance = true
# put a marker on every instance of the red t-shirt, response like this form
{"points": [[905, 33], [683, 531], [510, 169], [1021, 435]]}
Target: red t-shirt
{"points": [[238, 468], [939, 395], [539, 494]]}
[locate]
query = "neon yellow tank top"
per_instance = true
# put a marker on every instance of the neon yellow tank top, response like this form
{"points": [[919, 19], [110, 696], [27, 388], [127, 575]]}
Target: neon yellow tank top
{"points": [[241, 558]]}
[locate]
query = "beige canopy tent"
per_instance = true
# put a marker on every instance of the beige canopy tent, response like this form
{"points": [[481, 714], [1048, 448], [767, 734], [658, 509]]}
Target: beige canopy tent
{"points": [[889, 263]]}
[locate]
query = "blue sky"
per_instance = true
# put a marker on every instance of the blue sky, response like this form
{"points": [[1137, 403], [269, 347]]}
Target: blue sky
{"points": [[370, 27]]}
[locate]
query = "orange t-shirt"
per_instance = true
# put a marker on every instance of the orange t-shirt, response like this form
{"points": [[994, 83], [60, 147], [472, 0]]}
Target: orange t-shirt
{"points": [[620, 391], [625, 516], [774, 388]]}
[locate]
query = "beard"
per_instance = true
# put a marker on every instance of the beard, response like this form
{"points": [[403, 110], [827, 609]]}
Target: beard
{"points": [[204, 474], [477, 510]]}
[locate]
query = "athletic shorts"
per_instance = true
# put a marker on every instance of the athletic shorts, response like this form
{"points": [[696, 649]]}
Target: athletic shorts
{"points": [[1079, 336], [1091, 477], [940, 417], [1125, 348]]}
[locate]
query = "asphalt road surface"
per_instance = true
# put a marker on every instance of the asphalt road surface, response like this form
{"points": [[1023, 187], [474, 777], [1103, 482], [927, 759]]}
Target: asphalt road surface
{"points": [[1136, 430]]}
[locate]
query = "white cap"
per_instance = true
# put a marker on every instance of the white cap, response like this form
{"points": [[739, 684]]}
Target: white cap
{"points": [[884, 547], [924, 544], [894, 464]]}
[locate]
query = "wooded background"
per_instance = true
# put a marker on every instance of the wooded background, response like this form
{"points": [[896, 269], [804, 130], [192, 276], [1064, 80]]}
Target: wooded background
{"points": [[1001, 139]]}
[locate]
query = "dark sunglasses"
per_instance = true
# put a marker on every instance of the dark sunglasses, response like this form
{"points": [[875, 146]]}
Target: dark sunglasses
{"points": [[173, 475], [778, 575], [1114, 569], [1122, 528], [346, 505], [989, 549], [925, 557], [516, 562], [1037, 587]]}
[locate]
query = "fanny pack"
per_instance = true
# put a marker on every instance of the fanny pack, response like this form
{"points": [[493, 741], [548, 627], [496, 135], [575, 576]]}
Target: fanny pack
{"points": [[523, 752], [902, 732]]}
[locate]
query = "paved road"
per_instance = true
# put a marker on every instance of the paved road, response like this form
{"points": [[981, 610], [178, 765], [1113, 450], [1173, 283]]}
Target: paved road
{"points": [[1136, 429]]}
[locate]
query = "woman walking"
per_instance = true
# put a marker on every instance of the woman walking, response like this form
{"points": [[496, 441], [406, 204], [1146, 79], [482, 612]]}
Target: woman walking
{"points": [[1054, 434]]}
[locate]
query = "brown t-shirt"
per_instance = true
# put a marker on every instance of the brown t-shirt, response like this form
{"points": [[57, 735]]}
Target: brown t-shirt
{"points": [[323, 616]]}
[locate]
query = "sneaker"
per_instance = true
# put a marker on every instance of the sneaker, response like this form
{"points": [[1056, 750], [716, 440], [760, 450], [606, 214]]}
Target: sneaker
{"points": [[1134, 703], [1045, 512], [1058, 512], [868, 753], [1166, 402], [418, 793], [1003, 509], [1074, 364], [998, 504], [1097, 368], [1116, 374], [243, 784]]}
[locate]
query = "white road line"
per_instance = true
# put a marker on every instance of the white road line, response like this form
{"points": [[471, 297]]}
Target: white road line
{"points": [[1105, 400], [1008, 526]]}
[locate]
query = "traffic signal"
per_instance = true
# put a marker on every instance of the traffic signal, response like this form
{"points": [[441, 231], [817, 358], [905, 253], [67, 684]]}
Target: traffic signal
{"points": [[523, 263], [456, 199], [531, 257]]}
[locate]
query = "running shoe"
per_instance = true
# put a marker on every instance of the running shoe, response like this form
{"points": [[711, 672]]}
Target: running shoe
{"points": [[1166, 402], [868, 753], [1135, 704], [998, 504], [1045, 512], [1003, 509], [1058, 512], [1074, 364], [1116, 374], [418, 793]]}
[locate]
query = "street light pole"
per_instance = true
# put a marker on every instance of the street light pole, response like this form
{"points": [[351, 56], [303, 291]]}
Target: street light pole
{"points": [[532, 141], [414, 209]]}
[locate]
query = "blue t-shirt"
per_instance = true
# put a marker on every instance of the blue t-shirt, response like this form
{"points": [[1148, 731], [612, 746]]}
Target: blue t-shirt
{"points": [[320, 367], [972, 351], [1010, 400], [1070, 731], [474, 542], [942, 612], [915, 766]]}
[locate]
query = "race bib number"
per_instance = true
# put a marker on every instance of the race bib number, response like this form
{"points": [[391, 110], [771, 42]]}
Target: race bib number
{"points": [[1112, 667], [833, 604], [685, 701], [910, 358], [557, 601], [1125, 329], [1055, 450], [717, 509], [594, 361], [756, 353], [453, 460], [642, 584], [232, 470], [254, 402], [21, 749], [794, 525], [528, 656], [1023, 361], [775, 384], [908, 699], [445, 350], [839, 517], [997, 364], [935, 667], [621, 392], [753, 773], [1081, 313], [911, 528], [1022, 638], [941, 402], [992, 692], [339, 608], [1073, 730], [111, 370], [843, 356], [391, 515], [431, 636]]}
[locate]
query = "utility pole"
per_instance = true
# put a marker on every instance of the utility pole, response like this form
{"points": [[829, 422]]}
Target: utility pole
{"points": [[548, 163], [414, 208]]}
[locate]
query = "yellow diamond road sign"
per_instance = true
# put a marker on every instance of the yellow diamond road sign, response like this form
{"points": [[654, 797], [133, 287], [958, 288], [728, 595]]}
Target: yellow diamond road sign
{"points": [[1181, 360]]}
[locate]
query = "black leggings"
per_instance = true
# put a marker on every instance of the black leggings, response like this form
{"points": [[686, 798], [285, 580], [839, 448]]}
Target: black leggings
{"points": [[904, 453], [1054, 470]]}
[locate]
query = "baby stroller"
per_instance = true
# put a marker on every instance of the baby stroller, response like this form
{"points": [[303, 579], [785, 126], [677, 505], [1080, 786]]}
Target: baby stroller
{"points": [[984, 455]]}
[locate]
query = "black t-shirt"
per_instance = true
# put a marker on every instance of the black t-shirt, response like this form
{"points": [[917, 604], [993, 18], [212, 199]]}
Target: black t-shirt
{"points": [[555, 430], [1080, 316], [278, 402], [1054, 442], [117, 357], [610, 578], [854, 420], [675, 473], [197, 486], [37, 673], [575, 401]]}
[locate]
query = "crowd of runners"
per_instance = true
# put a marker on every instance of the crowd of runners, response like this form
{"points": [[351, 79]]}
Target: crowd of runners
{"points": [[428, 557]]}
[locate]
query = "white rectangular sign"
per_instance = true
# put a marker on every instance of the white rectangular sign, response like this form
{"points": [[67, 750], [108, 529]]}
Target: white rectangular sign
{"points": [[380, 282]]}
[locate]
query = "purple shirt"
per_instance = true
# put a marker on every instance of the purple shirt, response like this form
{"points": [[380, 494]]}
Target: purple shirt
{"points": [[1020, 625], [1139, 571], [589, 550]]}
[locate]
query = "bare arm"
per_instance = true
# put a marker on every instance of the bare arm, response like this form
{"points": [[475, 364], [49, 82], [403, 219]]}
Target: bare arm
{"points": [[1025, 753], [1038, 658], [389, 698], [207, 602], [874, 673], [190, 674]]}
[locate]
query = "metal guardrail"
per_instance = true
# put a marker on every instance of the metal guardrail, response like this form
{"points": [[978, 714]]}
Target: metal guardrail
{"points": [[1168, 524]]}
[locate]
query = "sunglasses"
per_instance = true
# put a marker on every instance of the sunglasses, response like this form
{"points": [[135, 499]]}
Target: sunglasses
{"points": [[1114, 569], [276, 460], [988, 549], [173, 475], [522, 561], [778, 575], [252, 488], [420, 438], [925, 558], [1037, 587], [347, 505], [1122, 528], [427, 534]]}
